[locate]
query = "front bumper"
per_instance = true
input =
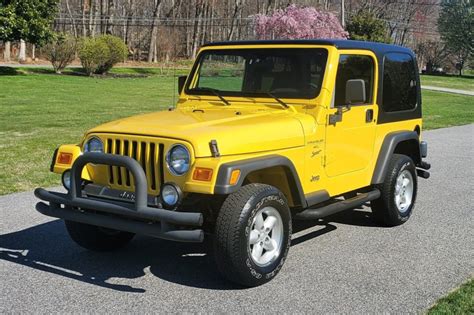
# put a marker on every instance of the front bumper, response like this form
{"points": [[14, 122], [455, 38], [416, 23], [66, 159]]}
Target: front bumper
{"points": [[135, 217]]}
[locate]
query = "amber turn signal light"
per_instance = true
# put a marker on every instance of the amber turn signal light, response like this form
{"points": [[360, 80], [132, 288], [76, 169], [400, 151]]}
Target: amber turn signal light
{"points": [[234, 177], [64, 158], [203, 174]]}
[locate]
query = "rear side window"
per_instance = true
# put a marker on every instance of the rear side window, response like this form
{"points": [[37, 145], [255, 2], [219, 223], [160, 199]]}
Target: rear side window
{"points": [[399, 82], [354, 67]]}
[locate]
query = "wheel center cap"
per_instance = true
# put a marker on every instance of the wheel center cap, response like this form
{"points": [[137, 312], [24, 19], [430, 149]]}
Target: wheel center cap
{"points": [[263, 236]]}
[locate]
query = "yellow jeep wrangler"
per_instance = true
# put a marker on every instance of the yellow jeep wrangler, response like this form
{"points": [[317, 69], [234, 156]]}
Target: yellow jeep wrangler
{"points": [[263, 133]]}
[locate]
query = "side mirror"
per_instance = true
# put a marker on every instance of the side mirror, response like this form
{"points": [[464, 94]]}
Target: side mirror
{"points": [[355, 92], [181, 82]]}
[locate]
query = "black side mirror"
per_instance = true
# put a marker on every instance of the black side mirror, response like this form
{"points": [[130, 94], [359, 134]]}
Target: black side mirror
{"points": [[181, 82], [355, 92]]}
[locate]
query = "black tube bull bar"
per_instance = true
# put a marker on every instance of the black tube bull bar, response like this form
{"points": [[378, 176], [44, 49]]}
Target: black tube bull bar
{"points": [[135, 217]]}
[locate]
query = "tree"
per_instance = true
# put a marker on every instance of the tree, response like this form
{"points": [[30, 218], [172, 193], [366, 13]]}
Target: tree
{"points": [[365, 26], [455, 25], [152, 52], [432, 53], [295, 22], [27, 20], [30, 20]]}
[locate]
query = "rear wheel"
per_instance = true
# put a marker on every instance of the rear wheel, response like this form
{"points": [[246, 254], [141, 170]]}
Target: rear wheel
{"points": [[97, 238], [398, 192], [253, 233]]}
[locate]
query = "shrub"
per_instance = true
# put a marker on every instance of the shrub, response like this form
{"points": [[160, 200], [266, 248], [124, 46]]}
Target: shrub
{"points": [[93, 53], [60, 51], [98, 55], [367, 27], [117, 52]]}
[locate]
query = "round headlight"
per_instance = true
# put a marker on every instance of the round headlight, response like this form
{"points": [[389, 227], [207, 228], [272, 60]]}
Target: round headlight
{"points": [[94, 145], [66, 179], [170, 195], [178, 159]]}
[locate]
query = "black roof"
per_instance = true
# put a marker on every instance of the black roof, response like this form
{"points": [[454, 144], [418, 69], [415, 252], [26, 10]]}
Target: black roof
{"points": [[338, 43]]}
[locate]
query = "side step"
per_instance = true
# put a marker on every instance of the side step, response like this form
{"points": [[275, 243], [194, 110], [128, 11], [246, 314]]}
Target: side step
{"points": [[336, 207]]}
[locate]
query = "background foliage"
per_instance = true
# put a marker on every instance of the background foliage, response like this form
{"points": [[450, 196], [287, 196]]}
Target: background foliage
{"points": [[456, 25], [29, 20], [365, 26], [298, 23]]}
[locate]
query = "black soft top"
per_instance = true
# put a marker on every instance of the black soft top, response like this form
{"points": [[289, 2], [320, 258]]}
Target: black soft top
{"points": [[377, 48]]}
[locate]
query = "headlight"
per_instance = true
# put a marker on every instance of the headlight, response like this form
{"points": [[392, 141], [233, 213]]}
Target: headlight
{"points": [[178, 159], [66, 179], [171, 195], [94, 145]]}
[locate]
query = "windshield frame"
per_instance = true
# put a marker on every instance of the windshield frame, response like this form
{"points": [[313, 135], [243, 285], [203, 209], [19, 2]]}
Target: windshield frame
{"points": [[193, 76]]}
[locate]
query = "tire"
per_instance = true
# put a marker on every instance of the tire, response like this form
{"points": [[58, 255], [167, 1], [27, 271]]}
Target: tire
{"points": [[396, 203], [97, 238], [240, 217]]}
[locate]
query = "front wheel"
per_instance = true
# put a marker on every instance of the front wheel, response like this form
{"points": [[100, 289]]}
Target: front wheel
{"points": [[97, 238], [398, 192], [253, 233]]}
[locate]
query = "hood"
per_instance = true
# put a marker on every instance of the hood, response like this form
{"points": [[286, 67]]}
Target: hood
{"points": [[237, 130]]}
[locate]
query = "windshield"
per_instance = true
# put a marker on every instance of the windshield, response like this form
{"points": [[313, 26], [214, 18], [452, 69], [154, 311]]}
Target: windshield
{"points": [[282, 73]]}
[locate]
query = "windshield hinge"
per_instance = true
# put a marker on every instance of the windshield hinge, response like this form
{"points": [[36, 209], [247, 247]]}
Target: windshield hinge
{"points": [[214, 148]]}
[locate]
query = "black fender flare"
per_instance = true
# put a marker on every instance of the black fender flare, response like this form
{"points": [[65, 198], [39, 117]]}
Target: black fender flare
{"points": [[386, 151], [254, 164]]}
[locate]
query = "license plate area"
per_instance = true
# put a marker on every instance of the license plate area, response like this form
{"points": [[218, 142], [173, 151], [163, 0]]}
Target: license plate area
{"points": [[103, 192]]}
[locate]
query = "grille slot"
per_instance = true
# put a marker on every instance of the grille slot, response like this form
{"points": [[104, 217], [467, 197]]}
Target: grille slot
{"points": [[148, 154]]}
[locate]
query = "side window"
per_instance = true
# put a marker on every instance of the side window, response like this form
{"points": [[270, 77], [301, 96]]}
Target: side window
{"points": [[354, 67], [399, 82]]}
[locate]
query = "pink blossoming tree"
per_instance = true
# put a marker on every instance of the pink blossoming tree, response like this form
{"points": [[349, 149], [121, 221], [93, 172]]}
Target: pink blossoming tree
{"points": [[299, 23]]}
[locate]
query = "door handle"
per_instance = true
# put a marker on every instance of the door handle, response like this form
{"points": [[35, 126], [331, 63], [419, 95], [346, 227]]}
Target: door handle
{"points": [[369, 115]]}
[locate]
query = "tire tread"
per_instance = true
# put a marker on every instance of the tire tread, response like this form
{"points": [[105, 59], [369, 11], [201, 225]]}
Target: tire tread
{"points": [[227, 231]]}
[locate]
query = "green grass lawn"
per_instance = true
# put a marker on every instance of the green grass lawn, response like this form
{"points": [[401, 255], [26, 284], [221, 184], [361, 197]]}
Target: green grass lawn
{"points": [[446, 109], [454, 82], [460, 301], [40, 110]]}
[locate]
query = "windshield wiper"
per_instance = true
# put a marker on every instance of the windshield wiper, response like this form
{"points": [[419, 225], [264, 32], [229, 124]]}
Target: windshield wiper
{"points": [[277, 99], [213, 91]]}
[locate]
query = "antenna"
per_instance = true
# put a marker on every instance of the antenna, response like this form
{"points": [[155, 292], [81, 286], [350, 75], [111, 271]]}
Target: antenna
{"points": [[174, 87]]}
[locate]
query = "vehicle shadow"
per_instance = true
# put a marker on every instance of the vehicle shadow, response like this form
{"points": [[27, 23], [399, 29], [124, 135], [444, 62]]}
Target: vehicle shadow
{"points": [[48, 248]]}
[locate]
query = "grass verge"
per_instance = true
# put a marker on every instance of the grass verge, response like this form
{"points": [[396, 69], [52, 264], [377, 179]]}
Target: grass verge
{"points": [[40, 110], [453, 82], [460, 301], [442, 110]]}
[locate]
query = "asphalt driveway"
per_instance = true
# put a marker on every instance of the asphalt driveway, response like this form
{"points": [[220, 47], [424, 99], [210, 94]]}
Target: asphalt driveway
{"points": [[344, 264]]}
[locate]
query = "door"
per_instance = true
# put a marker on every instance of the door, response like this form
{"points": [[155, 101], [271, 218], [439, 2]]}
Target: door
{"points": [[351, 133]]}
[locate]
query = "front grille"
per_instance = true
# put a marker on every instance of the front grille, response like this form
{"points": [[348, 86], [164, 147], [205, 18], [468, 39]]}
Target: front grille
{"points": [[148, 153]]}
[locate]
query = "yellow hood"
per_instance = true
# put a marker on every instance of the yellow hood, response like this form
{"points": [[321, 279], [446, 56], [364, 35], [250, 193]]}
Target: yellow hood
{"points": [[237, 130]]}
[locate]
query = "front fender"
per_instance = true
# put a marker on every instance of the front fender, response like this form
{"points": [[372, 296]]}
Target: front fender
{"points": [[75, 151], [247, 166]]}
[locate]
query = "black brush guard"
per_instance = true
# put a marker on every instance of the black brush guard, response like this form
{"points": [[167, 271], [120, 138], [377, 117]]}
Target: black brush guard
{"points": [[135, 217]]}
